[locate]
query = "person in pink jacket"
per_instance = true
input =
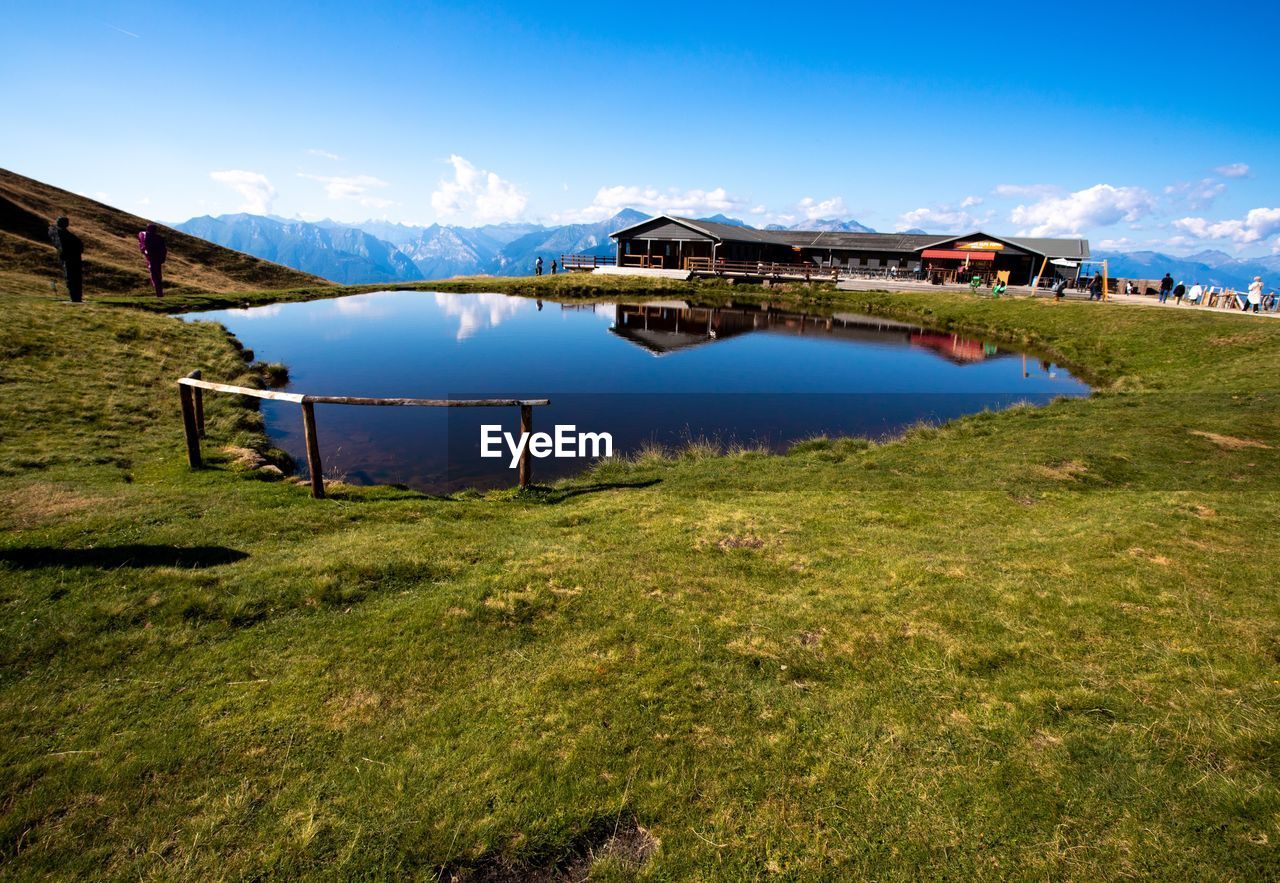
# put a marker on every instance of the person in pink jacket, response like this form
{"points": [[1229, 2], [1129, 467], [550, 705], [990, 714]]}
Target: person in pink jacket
{"points": [[152, 246]]}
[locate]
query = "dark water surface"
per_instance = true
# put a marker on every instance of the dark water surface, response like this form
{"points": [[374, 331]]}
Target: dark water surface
{"points": [[664, 372]]}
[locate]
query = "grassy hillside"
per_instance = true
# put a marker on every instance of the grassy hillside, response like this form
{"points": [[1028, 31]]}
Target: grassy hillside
{"points": [[1042, 643], [113, 264]]}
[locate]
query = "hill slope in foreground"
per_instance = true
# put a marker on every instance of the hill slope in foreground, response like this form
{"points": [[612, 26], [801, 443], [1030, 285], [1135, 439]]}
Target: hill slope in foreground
{"points": [[1036, 643], [112, 262]]}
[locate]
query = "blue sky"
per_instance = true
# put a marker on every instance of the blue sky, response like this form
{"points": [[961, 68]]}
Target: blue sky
{"points": [[1135, 124]]}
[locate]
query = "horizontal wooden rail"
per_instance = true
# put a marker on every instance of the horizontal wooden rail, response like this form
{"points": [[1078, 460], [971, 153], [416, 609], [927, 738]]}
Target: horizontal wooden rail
{"points": [[196, 382], [190, 389], [585, 261], [299, 398]]}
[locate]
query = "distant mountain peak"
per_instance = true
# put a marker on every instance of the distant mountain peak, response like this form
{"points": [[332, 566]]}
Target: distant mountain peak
{"points": [[725, 219], [833, 225], [1210, 256], [1210, 267], [628, 216]]}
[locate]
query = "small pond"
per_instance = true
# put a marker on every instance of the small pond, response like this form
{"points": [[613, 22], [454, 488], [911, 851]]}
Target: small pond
{"points": [[660, 372]]}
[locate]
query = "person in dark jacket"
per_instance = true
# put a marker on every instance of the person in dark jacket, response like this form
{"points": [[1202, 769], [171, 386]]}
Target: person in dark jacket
{"points": [[153, 248], [1095, 287], [1166, 286], [70, 252], [1178, 291]]}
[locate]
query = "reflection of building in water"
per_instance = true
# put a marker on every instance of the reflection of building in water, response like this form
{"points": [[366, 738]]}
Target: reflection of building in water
{"points": [[953, 347], [663, 327]]}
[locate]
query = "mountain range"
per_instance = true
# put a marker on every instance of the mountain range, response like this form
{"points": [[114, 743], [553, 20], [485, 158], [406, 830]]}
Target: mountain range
{"points": [[1206, 267], [382, 251]]}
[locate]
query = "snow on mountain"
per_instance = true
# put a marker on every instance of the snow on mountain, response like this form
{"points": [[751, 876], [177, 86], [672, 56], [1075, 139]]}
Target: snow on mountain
{"points": [[831, 225], [1210, 267], [441, 252], [339, 254], [518, 255]]}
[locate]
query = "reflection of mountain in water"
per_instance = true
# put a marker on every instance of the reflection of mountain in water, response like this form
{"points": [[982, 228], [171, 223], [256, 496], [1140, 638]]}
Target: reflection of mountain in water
{"points": [[664, 327]]}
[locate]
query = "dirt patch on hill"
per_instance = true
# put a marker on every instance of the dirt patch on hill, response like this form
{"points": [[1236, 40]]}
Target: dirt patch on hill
{"points": [[41, 502], [620, 846], [1230, 442], [1067, 471]]}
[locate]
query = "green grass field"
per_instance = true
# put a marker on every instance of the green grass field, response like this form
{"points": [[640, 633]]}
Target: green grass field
{"points": [[1040, 643]]}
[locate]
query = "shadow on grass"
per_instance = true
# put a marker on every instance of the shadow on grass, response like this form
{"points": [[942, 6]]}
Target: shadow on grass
{"points": [[384, 493], [112, 557], [554, 495], [534, 493]]}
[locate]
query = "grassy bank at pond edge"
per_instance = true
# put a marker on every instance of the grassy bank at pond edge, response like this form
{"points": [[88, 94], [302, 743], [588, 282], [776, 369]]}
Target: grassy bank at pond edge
{"points": [[1039, 642]]}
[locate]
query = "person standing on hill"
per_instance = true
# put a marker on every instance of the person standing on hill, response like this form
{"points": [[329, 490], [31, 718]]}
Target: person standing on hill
{"points": [[1095, 287], [537, 266], [1166, 286], [1255, 294], [70, 252], [154, 249]]}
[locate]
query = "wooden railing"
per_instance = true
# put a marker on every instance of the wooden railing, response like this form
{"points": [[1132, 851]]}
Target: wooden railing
{"points": [[651, 261], [191, 393], [586, 261], [767, 268]]}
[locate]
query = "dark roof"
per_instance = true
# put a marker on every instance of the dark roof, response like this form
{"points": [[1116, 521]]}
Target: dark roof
{"points": [[903, 242], [729, 231], [1054, 248]]}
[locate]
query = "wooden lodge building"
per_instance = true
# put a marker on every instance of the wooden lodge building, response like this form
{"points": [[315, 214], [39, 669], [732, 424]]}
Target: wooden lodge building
{"points": [[709, 247]]}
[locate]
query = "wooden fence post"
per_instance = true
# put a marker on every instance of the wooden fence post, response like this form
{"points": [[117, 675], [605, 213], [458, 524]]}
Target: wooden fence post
{"points": [[526, 459], [188, 400], [198, 394], [313, 450]]}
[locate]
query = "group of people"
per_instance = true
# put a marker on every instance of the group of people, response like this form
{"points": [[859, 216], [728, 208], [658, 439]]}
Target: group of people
{"points": [[537, 267], [1253, 299], [71, 255]]}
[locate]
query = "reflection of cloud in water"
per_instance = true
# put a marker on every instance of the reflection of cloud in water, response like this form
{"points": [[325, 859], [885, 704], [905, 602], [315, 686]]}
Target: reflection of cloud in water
{"points": [[267, 312], [476, 312], [364, 306]]}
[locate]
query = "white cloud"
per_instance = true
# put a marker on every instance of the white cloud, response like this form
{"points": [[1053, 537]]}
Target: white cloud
{"points": [[1198, 195], [253, 187], [323, 154], [814, 210], [1233, 170], [971, 201], [693, 203], [1039, 191], [942, 219], [1124, 242], [1257, 225], [1098, 206], [352, 187], [477, 195]]}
